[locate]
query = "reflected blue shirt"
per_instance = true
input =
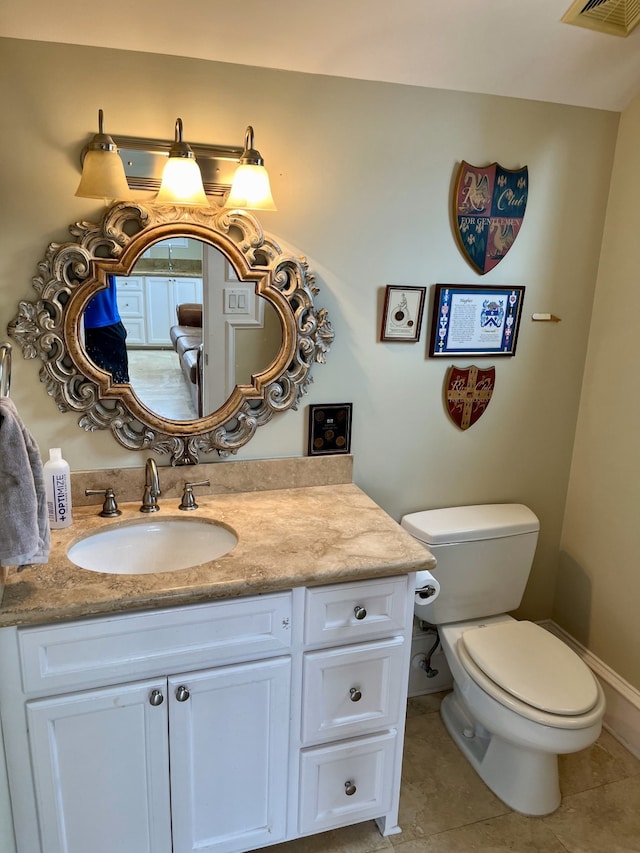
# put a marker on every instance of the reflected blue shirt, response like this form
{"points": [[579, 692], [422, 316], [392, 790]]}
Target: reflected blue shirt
{"points": [[102, 310]]}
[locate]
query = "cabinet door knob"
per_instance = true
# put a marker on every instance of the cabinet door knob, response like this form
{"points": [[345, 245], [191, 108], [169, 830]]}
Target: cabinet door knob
{"points": [[349, 788], [356, 695], [156, 698], [182, 694], [359, 612]]}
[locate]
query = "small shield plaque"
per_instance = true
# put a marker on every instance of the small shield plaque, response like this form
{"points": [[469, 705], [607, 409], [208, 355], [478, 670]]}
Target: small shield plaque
{"points": [[468, 392], [489, 205]]}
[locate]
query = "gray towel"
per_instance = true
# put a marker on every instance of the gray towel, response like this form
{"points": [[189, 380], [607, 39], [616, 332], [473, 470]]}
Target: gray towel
{"points": [[24, 520]]}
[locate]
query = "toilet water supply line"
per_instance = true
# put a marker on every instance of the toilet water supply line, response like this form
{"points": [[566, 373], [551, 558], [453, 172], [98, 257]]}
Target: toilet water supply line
{"points": [[426, 663], [427, 590]]}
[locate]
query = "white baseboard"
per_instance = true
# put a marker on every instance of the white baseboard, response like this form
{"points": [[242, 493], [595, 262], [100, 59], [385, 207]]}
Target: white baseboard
{"points": [[622, 717]]}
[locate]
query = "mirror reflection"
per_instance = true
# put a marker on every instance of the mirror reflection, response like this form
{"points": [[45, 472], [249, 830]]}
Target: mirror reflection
{"points": [[241, 283], [181, 329]]}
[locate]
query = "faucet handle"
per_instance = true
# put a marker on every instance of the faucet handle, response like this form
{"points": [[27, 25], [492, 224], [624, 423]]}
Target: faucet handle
{"points": [[109, 507], [188, 501]]}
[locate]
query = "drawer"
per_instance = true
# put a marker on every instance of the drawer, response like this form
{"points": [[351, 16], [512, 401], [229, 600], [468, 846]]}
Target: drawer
{"points": [[352, 691], [131, 304], [135, 329], [363, 610], [129, 284], [120, 648], [347, 782]]}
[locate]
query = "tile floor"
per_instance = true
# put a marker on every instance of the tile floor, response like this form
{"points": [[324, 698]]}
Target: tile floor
{"points": [[158, 381], [446, 808]]}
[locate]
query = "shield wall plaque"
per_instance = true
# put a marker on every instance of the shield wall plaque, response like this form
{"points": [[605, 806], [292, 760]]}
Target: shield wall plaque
{"points": [[468, 392], [489, 205]]}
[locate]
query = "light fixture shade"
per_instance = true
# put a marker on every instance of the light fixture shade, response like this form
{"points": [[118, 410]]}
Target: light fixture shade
{"points": [[181, 177], [182, 183], [251, 189], [102, 169]]}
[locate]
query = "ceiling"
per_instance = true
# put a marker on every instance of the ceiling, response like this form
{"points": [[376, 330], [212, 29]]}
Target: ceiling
{"points": [[517, 48]]}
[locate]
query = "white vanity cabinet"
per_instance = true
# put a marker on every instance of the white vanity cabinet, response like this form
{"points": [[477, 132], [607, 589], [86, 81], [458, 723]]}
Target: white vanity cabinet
{"points": [[148, 732], [354, 686], [226, 726], [101, 763]]}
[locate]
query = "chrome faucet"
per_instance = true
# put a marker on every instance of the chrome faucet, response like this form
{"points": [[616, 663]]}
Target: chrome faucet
{"points": [[151, 487]]}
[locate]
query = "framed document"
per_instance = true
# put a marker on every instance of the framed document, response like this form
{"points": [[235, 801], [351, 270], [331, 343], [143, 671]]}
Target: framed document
{"points": [[475, 320], [402, 313]]}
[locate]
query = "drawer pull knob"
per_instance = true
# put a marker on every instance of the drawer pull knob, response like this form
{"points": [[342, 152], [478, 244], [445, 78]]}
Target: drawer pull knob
{"points": [[349, 788], [156, 698], [356, 695], [359, 612], [182, 694]]}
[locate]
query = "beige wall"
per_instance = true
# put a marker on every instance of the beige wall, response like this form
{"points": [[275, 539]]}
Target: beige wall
{"points": [[362, 173], [598, 588]]}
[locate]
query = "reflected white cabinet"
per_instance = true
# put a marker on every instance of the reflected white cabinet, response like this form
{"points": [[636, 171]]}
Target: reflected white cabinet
{"points": [[130, 296], [223, 727], [162, 294], [147, 305]]}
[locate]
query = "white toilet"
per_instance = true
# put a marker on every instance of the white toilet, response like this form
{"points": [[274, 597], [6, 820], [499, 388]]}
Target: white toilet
{"points": [[521, 696]]}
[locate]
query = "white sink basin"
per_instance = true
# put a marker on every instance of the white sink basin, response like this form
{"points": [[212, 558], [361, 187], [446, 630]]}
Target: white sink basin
{"points": [[149, 546]]}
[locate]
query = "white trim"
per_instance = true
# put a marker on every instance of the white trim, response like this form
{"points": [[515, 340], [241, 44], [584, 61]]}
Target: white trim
{"points": [[622, 717]]}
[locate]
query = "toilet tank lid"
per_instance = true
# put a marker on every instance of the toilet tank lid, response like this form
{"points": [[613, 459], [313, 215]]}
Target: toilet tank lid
{"points": [[470, 523]]}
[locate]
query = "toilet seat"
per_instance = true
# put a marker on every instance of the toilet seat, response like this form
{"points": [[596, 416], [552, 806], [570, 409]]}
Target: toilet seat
{"points": [[530, 670]]}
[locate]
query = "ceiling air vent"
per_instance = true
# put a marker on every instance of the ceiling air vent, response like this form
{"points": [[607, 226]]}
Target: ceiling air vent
{"points": [[615, 17]]}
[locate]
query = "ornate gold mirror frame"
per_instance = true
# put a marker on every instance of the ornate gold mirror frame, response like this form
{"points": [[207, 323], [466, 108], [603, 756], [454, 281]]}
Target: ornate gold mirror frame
{"points": [[72, 273]]}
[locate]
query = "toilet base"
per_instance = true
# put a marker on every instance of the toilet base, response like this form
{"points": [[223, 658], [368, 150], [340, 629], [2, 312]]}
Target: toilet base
{"points": [[526, 780]]}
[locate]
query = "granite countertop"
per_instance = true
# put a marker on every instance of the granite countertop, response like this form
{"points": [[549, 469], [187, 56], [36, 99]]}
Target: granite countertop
{"points": [[287, 538], [158, 266]]}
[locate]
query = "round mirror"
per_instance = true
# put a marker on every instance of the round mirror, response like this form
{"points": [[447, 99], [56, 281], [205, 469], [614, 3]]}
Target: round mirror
{"points": [[179, 329]]}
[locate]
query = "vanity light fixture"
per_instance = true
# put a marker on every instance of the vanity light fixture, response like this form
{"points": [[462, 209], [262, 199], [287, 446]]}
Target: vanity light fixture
{"points": [[251, 189], [102, 169], [181, 178], [230, 175]]}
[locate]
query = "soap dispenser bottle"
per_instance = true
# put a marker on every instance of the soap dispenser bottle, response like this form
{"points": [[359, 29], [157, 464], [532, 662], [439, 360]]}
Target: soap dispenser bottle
{"points": [[57, 483]]}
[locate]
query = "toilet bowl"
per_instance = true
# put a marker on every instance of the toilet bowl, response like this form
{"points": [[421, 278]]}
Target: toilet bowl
{"points": [[512, 744], [521, 697]]}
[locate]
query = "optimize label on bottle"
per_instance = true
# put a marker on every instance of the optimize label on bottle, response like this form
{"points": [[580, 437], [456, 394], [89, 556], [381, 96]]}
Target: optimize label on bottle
{"points": [[59, 506]]}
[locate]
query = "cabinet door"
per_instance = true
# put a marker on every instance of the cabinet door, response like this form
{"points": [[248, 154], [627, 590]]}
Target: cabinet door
{"points": [[229, 738], [101, 771], [162, 296], [161, 312], [186, 290]]}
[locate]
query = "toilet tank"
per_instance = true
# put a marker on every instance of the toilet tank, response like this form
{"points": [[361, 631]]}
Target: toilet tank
{"points": [[484, 555]]}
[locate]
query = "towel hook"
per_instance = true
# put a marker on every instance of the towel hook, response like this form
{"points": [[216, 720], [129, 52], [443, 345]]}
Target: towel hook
{"points": [[5, 369]]}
